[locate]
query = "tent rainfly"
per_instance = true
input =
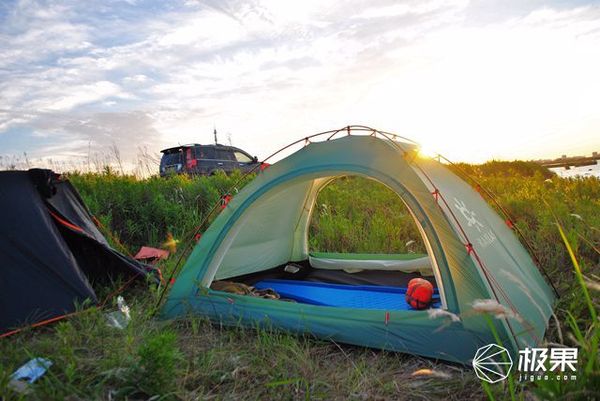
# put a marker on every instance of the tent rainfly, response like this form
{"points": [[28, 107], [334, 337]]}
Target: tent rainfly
{"points": [[474, 259], [51, 252]]}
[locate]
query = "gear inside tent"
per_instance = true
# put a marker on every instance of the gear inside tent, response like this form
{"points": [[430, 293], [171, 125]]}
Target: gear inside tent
{"points": [[260, 241], [51, 252]]}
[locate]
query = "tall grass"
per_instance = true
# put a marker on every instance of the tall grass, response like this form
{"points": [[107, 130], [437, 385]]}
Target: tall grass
{"points": [[359, 215], [143, 211]]}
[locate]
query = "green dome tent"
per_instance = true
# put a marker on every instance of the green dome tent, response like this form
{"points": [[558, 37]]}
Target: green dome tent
{"points": [[473, 256]]}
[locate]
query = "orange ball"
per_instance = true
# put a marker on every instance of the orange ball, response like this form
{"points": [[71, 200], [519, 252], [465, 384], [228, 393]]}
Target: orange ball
{"points": [[417, 280], [419, 293]]}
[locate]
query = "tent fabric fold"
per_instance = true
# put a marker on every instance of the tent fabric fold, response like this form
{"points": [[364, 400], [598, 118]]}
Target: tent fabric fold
{"points": [[359, 262]]}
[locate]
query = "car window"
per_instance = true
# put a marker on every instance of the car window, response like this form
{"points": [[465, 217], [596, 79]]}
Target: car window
{"points": [[241, 157], [171, 158], [203, 152], [223, 154]]}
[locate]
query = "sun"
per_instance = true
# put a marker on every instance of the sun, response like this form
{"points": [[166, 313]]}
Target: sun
{"points": [[425, 151]]}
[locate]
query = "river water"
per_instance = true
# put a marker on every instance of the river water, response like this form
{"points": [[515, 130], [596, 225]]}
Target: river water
{"points": [[584, 171]]}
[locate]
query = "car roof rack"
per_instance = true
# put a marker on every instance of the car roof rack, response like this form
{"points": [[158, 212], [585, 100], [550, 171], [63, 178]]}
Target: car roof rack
{"points": [[187, 145]]}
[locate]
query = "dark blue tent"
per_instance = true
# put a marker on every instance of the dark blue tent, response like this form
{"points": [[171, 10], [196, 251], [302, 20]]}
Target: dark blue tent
{"points": [[51, 252]]}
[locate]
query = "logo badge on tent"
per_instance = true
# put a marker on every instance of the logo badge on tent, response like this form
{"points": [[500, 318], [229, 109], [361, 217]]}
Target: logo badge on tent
{"points": [[469, 215], [492, 363]]}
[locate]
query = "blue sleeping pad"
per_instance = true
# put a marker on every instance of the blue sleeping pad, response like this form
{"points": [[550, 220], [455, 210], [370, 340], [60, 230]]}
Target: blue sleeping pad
{"points": [[342, 295]]}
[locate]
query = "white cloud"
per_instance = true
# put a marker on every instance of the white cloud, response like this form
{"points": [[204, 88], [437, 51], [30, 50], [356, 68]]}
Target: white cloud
{"points": [[138, 78], [270, 71], [410, 8], [79, 95]]}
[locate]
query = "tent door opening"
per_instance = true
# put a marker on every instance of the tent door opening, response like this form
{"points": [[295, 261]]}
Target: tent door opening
{"points": [[370, 270]]}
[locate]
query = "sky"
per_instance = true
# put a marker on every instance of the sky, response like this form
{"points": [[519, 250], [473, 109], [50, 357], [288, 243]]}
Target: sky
{"points": [[472, 80]]}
